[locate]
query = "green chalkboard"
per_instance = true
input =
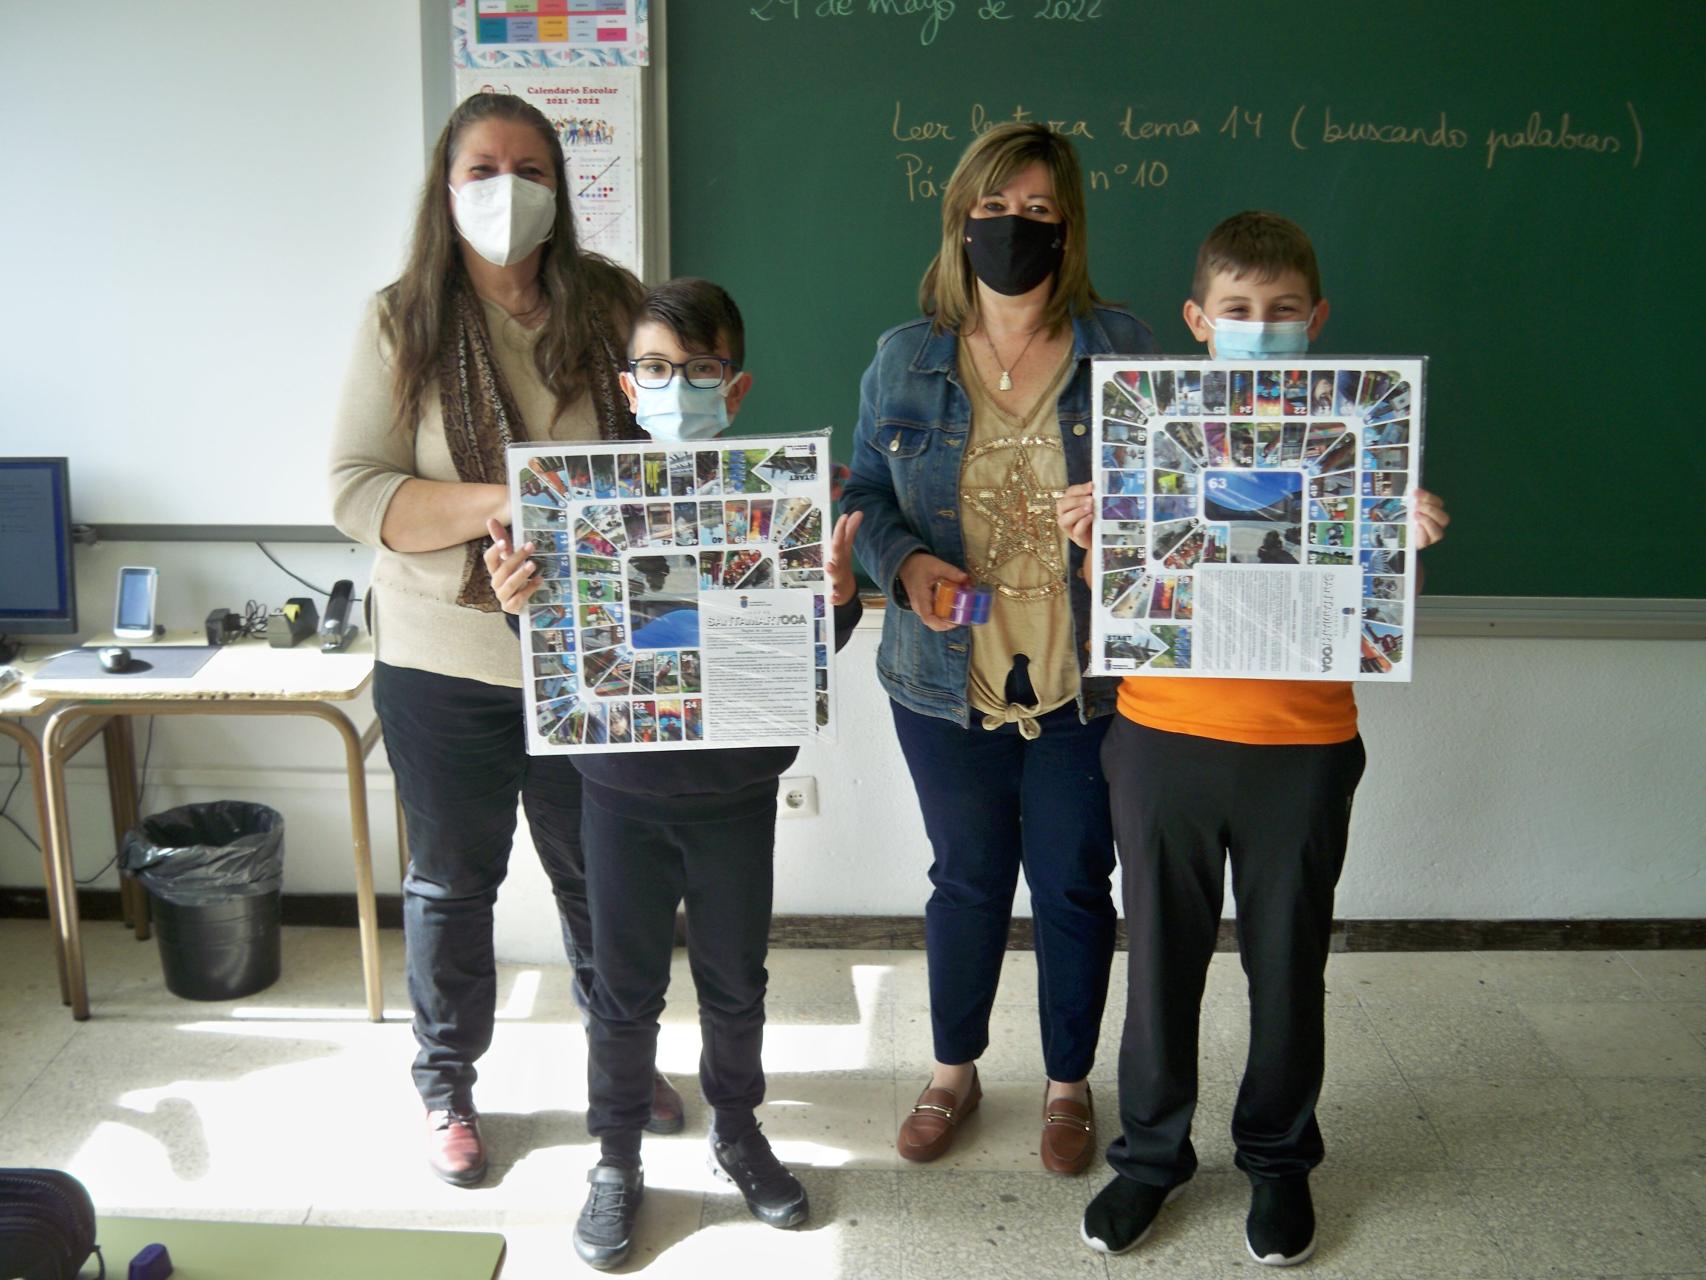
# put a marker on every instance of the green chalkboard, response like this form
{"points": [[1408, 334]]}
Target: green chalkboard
{"points": [[1512, 189]]}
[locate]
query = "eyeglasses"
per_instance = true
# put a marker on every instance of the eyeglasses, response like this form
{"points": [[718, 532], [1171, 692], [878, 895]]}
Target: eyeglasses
{"points": [[704, 372]]}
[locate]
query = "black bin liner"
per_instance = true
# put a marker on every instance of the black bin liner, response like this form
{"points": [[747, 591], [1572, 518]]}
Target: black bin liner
{"points": [[214, 872]]}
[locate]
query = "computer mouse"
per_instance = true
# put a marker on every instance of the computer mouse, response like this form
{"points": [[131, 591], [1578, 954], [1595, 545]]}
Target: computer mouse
{"points": [[114, 658]]}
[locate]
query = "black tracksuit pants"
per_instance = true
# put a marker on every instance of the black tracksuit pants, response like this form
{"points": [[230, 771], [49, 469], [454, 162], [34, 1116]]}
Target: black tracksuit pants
{"points": [[1183, 805], [638, 870]]}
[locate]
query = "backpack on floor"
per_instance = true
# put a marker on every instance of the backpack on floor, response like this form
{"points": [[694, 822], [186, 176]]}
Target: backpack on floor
{"points": [[47, 1225]]}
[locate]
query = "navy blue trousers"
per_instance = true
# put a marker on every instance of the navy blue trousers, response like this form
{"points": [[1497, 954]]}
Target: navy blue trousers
{"points": [[459, 754], [994, 804]]}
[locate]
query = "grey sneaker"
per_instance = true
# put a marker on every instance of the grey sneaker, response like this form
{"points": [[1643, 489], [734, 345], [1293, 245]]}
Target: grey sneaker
{"points": [[772, 1193], [605, 1230]]}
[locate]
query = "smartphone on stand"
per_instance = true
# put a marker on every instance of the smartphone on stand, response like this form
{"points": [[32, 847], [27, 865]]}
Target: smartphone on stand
{"points": [[133, 615]]}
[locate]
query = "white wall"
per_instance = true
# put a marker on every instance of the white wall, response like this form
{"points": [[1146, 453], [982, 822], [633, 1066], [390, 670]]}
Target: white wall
{"points": [[200, 198], [1514, 779]]}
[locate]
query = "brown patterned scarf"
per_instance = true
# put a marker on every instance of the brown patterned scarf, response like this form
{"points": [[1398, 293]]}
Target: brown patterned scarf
{"points": [[481, 420]]}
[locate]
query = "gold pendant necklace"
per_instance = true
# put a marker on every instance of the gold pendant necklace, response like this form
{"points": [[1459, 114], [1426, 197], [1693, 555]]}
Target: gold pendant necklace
{"points": [[1006, 383]]}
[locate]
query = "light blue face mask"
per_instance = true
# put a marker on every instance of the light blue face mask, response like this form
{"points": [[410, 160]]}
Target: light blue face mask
{"points": [[681, 411], [1255, 340]]}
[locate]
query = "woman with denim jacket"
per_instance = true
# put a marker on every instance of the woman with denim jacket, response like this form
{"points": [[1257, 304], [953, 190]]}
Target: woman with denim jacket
{"points": [[971, 419]]}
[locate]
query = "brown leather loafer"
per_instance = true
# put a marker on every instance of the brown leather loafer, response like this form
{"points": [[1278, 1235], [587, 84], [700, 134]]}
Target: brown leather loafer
{"points": [[455, 1151], [929, 1130], [668, 1115], [1069, 1134]]}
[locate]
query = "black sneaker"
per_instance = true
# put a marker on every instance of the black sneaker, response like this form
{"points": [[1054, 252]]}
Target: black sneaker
{"points": [[772, 1193], [605, 1230], [1123, 1214], [1280, 1231]]}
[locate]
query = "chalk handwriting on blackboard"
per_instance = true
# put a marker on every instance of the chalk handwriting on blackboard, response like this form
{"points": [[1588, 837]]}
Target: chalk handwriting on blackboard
{"points": [[1111, 165], [1440, 134], [1144, 130], [932, 15], [1561, 138], [1237, 118], [980, 123], [919, 130]]}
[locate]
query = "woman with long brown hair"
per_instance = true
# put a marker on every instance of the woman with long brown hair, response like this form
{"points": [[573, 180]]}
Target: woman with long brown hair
{"points": [[972, 419], [499, 330]]}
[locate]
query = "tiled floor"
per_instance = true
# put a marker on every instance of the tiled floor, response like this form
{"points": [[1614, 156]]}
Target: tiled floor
{"points": [[1511, 1115]]}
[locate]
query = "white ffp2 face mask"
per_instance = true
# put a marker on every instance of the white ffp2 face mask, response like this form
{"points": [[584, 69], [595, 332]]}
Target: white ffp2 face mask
{"points": [[505, 218]]}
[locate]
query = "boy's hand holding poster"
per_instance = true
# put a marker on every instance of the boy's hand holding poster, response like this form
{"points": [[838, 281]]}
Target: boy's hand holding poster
{"points": [[684, 602], [1255, 520]]}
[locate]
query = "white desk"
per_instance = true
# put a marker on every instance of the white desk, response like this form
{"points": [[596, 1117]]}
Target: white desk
{"points": [[245, 679]]}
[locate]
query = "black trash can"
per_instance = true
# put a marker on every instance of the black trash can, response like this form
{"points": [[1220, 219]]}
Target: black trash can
{"points": [[214, 873]]}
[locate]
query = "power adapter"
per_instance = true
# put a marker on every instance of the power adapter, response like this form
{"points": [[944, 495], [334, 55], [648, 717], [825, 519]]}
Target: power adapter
{"points": [[224, 626]]}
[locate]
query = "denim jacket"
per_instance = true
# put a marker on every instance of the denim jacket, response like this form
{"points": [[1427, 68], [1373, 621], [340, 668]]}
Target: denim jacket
{"points": [[914, 416]]}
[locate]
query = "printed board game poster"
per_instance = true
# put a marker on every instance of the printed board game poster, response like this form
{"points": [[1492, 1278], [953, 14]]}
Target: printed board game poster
{"points": [[1255, 520], [685, 603]]}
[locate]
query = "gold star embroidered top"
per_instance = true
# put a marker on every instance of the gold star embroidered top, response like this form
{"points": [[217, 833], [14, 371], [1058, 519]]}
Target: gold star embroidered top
{"points": [[1014, 469]]}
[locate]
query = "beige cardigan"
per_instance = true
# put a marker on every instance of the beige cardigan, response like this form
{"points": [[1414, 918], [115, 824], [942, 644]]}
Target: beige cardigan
{"points": [[417, 622]]}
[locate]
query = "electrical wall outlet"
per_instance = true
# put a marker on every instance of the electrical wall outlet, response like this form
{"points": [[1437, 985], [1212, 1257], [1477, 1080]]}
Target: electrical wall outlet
{"points": [[798, 798]]}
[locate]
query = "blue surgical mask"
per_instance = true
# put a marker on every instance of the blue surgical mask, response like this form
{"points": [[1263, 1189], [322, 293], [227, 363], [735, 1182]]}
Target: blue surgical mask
{"points": [[1256, 340], [681, 411]]}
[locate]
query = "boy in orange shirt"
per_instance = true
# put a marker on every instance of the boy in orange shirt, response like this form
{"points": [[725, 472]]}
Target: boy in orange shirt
{"points": [[1263, 772]]}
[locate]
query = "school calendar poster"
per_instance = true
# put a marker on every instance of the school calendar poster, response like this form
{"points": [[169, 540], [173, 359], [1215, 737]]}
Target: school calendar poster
{"points": [[1254, 519], [685, 603]]}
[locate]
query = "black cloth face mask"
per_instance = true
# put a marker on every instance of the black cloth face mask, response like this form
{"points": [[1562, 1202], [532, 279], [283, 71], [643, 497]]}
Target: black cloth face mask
{"points": [[1013, 254]]}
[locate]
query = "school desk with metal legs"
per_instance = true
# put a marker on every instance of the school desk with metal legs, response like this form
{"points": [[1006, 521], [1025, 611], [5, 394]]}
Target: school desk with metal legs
{"points": [[18, 703], [244, 679]]}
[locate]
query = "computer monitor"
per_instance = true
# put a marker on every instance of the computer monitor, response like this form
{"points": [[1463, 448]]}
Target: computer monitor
{"points": [[38, 592]]}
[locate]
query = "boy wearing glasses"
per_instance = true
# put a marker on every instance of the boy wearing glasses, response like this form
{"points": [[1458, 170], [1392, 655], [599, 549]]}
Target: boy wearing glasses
{"points": [[694, 826]]}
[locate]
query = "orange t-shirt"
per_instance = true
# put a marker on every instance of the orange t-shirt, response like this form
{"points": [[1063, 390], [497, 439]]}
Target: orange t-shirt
{"points": [[1257, 712]]}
